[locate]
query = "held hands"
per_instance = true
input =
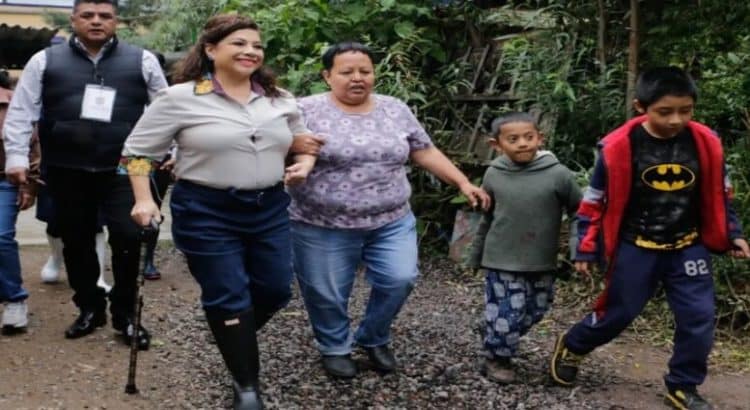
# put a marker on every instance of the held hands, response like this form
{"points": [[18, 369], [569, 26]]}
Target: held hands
{"points": [[476, 195], [144, 211], [296, 173], [25, 199], [168, 165], [17, 175], [306, 148], [741, 249]]}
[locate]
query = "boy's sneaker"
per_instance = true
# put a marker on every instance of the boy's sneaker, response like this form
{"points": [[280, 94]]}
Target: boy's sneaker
{"points": [[686, 399], [15, 317], [499, 370], [564, 365]]}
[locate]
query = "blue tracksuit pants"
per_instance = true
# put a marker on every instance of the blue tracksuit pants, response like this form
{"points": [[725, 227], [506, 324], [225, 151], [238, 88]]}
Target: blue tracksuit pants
{"points": [[633, 279]]}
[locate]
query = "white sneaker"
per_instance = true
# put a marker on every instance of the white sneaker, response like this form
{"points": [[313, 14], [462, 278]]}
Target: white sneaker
{"points": [[101, 255], [51, 270], [103, 284], [15, 316]]}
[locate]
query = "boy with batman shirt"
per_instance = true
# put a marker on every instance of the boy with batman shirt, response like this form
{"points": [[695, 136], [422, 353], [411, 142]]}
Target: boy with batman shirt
{"points": [[657, 204]]}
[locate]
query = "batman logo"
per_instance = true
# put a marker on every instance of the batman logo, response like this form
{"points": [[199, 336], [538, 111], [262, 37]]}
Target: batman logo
{"points": [[668, 177]]}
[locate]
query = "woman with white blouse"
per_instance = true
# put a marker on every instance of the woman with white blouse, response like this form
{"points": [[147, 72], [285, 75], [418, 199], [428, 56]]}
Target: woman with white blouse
{"points": [[233, 128]]}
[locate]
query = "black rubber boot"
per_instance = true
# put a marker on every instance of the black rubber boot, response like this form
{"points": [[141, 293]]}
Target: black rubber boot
{"points": [[262, 316], [235, 337]]}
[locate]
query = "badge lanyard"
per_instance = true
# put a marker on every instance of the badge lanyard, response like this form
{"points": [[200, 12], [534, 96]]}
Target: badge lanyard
{"points": [[98, 101]]}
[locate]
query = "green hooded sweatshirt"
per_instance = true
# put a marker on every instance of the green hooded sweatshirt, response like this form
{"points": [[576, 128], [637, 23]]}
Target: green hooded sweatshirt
{"points": [[521, 231]]}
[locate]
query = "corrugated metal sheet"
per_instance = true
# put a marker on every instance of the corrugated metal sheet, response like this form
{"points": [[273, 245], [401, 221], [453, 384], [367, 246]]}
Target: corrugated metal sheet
{"points": [[20, 43]]}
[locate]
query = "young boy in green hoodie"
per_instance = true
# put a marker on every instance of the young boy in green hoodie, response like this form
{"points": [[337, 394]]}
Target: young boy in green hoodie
{"points": [[518, 237]]}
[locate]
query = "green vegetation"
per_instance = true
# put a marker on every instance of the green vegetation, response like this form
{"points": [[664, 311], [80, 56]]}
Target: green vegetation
{"points": [[571, 65]]}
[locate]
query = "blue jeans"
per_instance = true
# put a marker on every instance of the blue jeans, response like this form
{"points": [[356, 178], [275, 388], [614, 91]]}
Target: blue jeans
{"points": [[326, 261], [11, 289], [237, 245]]}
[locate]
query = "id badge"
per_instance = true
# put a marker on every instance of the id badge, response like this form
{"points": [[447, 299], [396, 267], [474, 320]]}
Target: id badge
{"points": [[98, 103]]}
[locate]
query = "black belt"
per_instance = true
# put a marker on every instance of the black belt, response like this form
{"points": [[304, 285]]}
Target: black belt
{"points": [[279, 186]]}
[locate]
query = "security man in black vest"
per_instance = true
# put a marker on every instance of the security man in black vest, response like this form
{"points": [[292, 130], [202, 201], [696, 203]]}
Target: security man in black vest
{"points": [[86, 96]]}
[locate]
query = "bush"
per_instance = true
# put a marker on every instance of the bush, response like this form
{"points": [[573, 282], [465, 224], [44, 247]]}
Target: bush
{"points": [[557, 70]]}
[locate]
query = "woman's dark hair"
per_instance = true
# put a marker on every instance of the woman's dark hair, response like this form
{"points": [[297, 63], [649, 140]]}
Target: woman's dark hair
{"points": [[5, 81], [196, 64], [656, 83], [344, 47]]}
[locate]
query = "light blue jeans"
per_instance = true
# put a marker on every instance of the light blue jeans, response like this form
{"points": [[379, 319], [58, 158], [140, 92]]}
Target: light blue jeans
{"points": [[326, 261], [11, 289]]}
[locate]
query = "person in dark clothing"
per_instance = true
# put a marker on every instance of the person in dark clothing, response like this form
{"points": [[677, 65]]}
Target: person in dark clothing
{"points": [[45, 212], [86, 95], [161, 178]]}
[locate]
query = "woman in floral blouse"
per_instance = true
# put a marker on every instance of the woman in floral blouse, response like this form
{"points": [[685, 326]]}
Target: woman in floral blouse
{"points": [[354, 208]]}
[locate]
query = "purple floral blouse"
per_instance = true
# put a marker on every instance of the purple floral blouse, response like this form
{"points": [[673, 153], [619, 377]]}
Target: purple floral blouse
{"points": [[359, 180]]}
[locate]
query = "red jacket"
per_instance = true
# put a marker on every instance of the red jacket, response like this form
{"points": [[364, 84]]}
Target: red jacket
{"points": [[603, 207]]}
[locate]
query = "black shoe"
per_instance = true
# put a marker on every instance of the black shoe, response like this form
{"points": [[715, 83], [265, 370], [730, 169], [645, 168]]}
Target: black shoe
{"points": [[86, 322], [341, 366], [686, 399], [564, 365], [246, 398], [150, 272], [124, 325], [499, 370], [382, 358]]}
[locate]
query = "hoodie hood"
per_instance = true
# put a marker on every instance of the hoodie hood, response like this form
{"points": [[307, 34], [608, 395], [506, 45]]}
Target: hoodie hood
{"points": [[542, 160]]}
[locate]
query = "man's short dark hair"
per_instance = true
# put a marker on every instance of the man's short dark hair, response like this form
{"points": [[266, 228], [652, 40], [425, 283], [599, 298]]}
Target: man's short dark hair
{"points": [[658, 82], [112, 2], [344, 47], [520, 116]]}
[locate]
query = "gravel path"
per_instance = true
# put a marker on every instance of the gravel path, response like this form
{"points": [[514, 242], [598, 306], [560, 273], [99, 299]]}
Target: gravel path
{"points": [[434, 341]]}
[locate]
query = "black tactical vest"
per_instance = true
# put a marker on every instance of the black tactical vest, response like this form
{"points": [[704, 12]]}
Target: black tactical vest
{"points": [[71, 142]]}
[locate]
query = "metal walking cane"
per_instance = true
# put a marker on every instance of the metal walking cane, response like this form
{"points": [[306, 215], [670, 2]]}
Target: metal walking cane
{"points": [[147, 233]]}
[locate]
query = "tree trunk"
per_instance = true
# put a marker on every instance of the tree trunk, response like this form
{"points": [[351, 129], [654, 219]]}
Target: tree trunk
{"points": [[601, 32], [601, 57], [632, 57]]}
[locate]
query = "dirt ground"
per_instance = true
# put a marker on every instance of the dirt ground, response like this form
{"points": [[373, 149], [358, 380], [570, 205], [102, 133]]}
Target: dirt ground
{"points": [[42, 370]]}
